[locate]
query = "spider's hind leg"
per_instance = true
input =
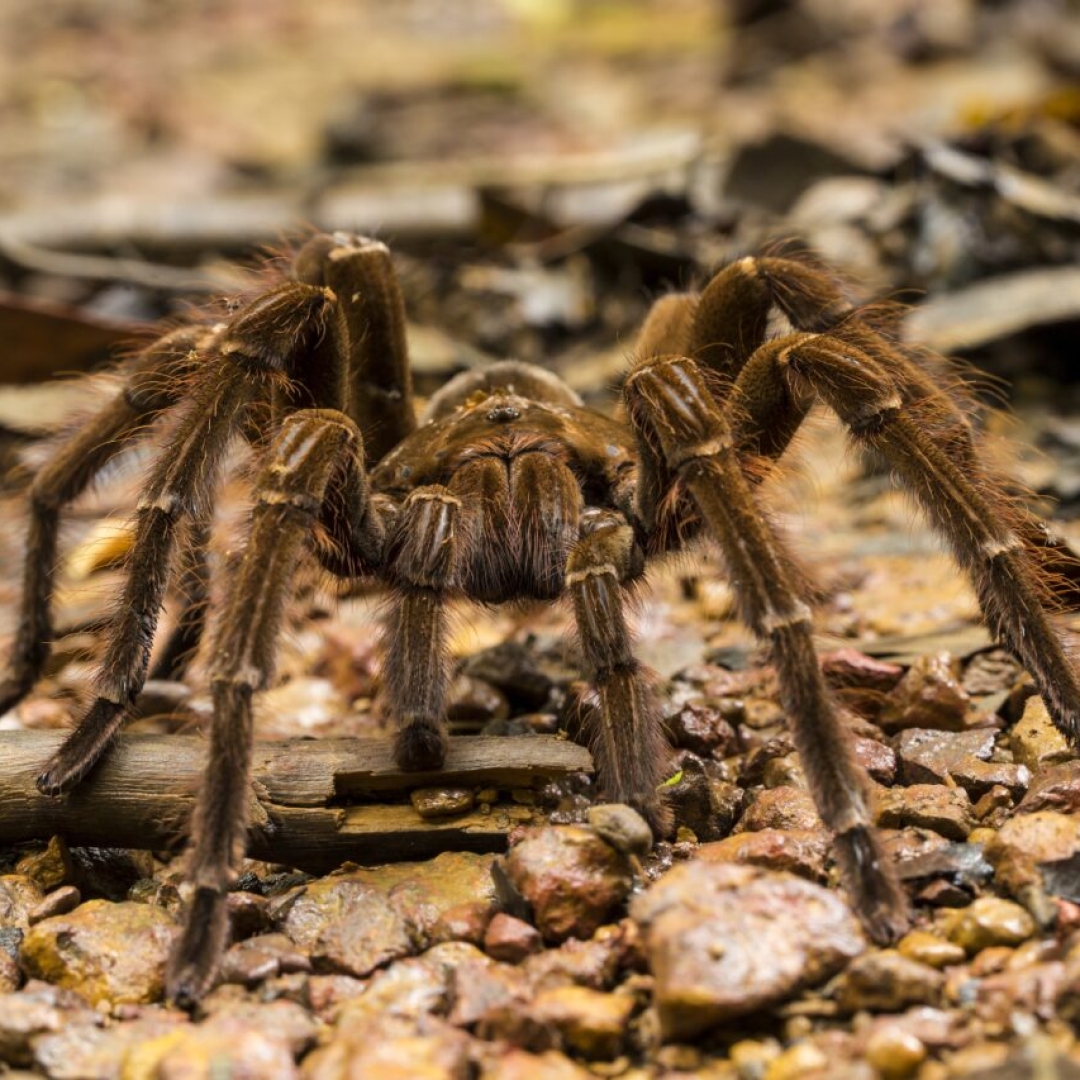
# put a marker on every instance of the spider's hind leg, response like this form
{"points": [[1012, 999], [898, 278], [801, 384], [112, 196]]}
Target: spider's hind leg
{"points": [[153, 383]]}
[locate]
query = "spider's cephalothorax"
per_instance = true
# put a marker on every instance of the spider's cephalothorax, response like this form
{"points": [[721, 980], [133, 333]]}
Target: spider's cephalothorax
{"points": [[511, 489]]}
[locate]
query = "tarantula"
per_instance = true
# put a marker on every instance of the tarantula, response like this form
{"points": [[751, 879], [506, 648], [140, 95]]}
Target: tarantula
{"points": [[510, 489]]}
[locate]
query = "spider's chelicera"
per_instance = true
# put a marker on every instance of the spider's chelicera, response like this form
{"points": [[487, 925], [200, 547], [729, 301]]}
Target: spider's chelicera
{"points": [[510, 489]]}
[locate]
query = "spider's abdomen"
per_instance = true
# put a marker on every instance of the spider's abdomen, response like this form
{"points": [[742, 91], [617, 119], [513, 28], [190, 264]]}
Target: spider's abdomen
{"points": [[522, 510]]}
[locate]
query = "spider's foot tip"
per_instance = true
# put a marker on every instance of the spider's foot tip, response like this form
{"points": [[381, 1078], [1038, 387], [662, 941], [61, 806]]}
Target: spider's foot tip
{"points": [[50, 782], [420, 749]]}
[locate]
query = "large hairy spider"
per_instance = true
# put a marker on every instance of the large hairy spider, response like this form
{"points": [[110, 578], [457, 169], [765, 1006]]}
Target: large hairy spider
{"points": [[510, 489]]}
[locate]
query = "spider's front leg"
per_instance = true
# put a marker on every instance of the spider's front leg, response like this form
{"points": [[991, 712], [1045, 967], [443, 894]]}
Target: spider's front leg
{"points": [[316, 452], [254, 353], [683, 432]]}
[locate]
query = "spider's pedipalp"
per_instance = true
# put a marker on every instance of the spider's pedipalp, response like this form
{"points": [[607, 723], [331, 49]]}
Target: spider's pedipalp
{"points": [[307, 451], [424, 556], [671, 408], [626, 733]]}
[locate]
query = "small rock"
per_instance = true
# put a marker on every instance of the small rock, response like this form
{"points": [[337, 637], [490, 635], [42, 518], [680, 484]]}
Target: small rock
{"points": [[449, 898], [347, 926], [707, 806], [784, 808], [1022, 845], [802, 852], [1056, 787], [511, 940], [512, 668], [702, 727], [250, 962], [474, 700], [441, 802], [104, 951], [50, 868], [622, 827], [249, 914], [703, 926], [594, 963], [591, 1023], [928, 948], [928, 696], [887, 981], [482, 991], [846, 668], [987, 922], [1035, 739], [59, 902], [876, 758], [928, 806], [19, 895], [802, 1059], [573, 880], [929, 756], [894, 1052]]}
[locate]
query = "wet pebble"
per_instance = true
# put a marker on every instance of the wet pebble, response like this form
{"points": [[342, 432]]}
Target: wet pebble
{"points": [[572, 879], [590, 1023], [511, 940], [887, 981], [346, 926], [894, 1052], [436, 802], [987, 922], [1056, 787], [1035, 740], [927, 806], [780, 808], [703, 924], [59, 902], [516, 1064], [704, 728], [10, 975], [846, 668], [50, 868], [928, 696], [929, 756], [798, 851], [19, 896], [474, 700], [104, 951], [929, 948], [1020, 848], [622, 827], [250, 962]]}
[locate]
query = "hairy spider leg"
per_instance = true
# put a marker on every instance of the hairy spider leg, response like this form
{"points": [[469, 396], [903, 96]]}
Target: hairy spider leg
{"points": [[255, 351], [672, 410], [361, 273], [728, 336], [311, 447], [153, 383], [626, 733], [975, 521], [424, 560]]}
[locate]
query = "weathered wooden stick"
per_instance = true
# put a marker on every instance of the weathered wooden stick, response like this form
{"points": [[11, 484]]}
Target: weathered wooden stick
{"points": [[142, 795]]}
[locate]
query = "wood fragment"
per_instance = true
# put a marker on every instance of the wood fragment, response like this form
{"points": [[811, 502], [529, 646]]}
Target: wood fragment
{"points": [[143, 794]]}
